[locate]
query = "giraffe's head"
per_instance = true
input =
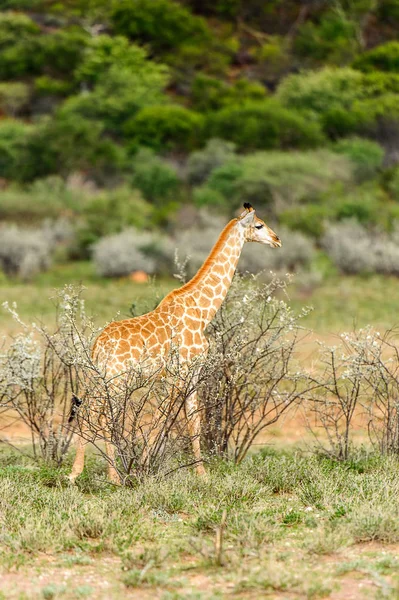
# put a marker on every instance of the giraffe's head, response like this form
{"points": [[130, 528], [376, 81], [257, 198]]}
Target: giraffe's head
{"points": [[256, 230]]}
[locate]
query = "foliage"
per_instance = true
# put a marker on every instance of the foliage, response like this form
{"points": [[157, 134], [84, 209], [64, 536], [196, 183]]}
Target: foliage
{"points": [[14, 98], [277, 180], [122, 253], [354, 250], [366, 155], [333, 39], [310, 219], [253, 339], [13, 147], [157, 180], [321, 91], [108, 213], [264, 125], [52, 148], [382, 58], [202, 162], [20, 46], [44, 198], [23, 252], [209, 93], [163, 24], [123, 80], [165, 127]]}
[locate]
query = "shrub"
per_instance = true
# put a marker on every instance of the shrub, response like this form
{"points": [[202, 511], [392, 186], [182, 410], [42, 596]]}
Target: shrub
{"points": [[296, 252], [20, 51], [62, 50], [14, 136], [264, 125], [14, 98], [105, 54], [206, 196], [382, 58], [209, 93], [194, 245], [52, 148], [122, 253], [202, 162], [44, 198], [321, 91], [333, 39], [365, 204], [367, 156], [163, 24], [273, 58], [165, 127], [354, 250], [379, 117], [48, 86], [107, 213], [310, 220], [122, 80], [157, 180], [276, 179], [23, 252]]}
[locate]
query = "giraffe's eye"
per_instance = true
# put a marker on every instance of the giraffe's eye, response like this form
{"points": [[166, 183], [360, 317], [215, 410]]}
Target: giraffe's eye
{"points": [[258, 226]]}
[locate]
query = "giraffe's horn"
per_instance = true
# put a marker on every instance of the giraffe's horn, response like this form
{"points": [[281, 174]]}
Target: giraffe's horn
{"points": [[248, 206]]}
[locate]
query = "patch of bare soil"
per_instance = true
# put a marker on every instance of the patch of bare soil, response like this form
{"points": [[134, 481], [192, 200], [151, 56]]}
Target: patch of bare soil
{"points": [[101, 579]]}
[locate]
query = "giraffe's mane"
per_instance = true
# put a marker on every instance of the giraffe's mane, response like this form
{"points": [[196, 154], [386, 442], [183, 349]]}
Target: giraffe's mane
{"points": [[207, 263]]}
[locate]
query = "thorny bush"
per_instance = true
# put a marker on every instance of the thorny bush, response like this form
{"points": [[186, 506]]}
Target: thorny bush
{"points": [[246, 382], [356, 386]]}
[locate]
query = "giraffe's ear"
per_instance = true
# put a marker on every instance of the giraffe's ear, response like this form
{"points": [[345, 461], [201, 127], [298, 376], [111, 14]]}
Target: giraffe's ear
{"points": [[247, 218]]}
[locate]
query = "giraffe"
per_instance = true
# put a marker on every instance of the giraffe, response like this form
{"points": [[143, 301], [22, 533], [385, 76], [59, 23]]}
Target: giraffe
{"points": [[183, 316]]}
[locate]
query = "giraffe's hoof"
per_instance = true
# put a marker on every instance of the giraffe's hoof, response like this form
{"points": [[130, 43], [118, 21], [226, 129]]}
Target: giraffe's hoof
{"points": [[201, 471], [70, 479], [115, 480]]}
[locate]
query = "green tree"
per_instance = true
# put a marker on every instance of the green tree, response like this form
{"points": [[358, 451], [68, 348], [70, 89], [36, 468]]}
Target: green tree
{"points": [[163, 24], [383, 58], [165, 127], [121, 81], [264, 125], [14, 136], [20, 47]]}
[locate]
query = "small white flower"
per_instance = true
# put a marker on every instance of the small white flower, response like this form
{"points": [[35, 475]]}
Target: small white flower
{"points": [[308, 509]]}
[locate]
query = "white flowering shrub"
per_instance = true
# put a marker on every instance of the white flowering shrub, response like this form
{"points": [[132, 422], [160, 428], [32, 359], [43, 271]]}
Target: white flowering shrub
{"points": [[354, 386], [353, 249], [41, 370], [253, 374], [24, 252], [122, 253]]}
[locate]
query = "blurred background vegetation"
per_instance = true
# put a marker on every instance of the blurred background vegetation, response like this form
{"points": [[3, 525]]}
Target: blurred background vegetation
{"points": [[131, 127]]}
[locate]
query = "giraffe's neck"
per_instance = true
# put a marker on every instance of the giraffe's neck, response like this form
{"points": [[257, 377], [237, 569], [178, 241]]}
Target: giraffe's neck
{"points": [[206, 291]]}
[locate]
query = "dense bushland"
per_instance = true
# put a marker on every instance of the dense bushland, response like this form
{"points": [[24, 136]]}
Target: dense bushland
{"points": [[119, 115]]}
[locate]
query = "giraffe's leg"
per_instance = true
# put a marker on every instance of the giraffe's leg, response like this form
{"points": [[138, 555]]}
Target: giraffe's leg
{"points": [[110, 452], [79, 461], [112, 472], [194, 429]]}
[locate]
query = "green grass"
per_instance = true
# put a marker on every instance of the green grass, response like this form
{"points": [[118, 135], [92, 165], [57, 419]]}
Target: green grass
{"points": [[297, 526]]}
